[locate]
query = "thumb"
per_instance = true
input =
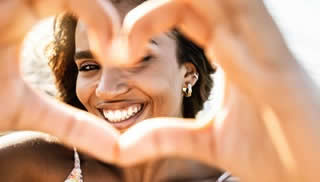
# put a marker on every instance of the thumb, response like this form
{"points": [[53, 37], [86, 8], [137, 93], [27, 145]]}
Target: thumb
{"points": [[73, 127], [167, 137]]}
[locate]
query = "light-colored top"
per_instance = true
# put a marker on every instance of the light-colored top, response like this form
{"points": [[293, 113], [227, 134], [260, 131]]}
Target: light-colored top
{"points": [[76, 173]]}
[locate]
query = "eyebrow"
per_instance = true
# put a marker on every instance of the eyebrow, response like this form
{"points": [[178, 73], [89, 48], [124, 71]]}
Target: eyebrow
{"points": [[87, 54]]}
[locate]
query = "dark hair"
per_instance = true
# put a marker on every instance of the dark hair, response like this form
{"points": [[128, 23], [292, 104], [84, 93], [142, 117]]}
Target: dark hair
{"points": [[61, 59]]}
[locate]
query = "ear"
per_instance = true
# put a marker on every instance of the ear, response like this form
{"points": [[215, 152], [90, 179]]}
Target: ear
{"points": [[191, 74]]}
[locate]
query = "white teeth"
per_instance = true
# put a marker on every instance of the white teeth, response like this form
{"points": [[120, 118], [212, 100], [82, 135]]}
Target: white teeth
{"points": [[135, 109], [123, 114], [130, 111], [118, 115]]}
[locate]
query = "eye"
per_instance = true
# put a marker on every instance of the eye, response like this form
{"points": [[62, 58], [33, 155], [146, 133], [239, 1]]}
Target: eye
{"points": [[86, 67], [141, 65], [147, 58]]}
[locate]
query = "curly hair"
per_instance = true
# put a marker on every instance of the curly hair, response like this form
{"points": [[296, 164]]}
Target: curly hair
{"points": [[61, 59]]}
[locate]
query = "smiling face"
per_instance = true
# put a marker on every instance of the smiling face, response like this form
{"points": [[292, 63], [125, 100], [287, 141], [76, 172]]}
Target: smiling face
{"points": [[125, 95]]}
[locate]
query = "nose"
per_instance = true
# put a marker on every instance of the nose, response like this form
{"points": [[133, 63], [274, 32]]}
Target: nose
{"points": [[112, 84]]}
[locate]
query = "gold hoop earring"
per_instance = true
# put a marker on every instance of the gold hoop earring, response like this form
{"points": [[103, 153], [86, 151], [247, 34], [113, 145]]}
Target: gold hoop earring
{"points": [[196, 76], [187, 91]]}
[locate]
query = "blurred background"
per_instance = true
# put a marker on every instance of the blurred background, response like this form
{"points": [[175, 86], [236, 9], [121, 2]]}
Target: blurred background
{"points": [[299, 21]]}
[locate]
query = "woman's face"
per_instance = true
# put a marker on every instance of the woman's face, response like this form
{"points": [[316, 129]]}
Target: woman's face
{"points": [[125, 95]]}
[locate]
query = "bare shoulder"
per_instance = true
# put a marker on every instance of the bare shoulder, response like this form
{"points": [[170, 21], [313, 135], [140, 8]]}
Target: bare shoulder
{"points": [[33, 156]]}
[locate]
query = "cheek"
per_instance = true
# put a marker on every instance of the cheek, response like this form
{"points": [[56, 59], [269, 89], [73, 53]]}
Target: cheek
{"points": [[84, 89], [162, 83]]}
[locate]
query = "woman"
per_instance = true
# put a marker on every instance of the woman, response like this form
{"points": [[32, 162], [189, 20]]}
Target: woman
{"points": [[251, 53], [173, 80]]}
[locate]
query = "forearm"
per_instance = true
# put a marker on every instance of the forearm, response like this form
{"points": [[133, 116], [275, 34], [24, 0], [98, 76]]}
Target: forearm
{"points": [[297, 113]]}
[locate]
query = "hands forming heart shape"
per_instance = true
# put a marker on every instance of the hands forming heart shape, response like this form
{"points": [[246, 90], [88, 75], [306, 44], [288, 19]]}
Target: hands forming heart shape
{"points": [[265, 124]]}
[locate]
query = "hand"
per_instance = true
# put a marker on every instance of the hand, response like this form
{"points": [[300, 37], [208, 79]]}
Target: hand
{"points": [[21, 107], [266, 125]]}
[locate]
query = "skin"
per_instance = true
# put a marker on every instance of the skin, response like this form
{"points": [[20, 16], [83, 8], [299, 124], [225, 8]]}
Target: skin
{"points": [[39, 157], [148, 81], [257, 127], [17, 18], [258, 71]]}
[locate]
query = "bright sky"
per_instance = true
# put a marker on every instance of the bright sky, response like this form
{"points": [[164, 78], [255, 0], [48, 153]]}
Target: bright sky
{"points": [[299, 20]]}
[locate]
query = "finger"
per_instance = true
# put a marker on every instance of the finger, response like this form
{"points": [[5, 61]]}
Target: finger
{"points": [[148, 20], [166, 137], [103, 23], [73, 127], [17, 17], [196, 19], [201, 18], [191, 26], [15, 21], [100, 15]]}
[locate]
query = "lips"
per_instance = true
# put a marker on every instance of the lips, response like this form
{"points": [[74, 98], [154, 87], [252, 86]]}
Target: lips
{"points": [[122, 116]]}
